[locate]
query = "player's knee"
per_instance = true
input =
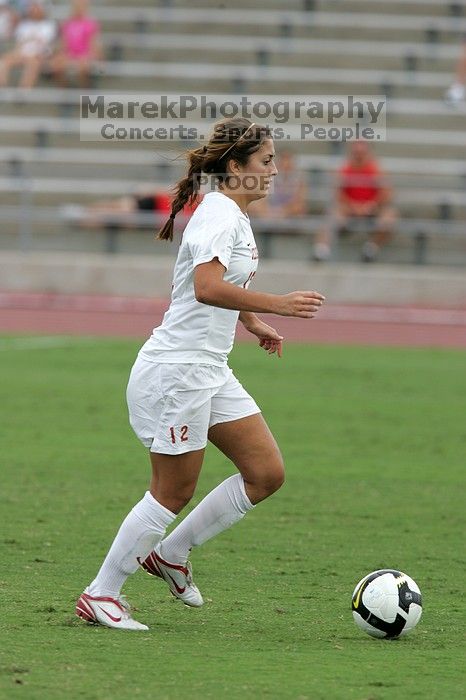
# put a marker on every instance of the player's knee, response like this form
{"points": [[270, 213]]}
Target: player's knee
{"points": [[269, 486], [272, 479], [175, 501], [277, 479], [181, 499]]}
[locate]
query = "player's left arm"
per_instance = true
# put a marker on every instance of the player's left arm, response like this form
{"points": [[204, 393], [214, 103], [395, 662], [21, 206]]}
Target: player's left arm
{"points": [[269, 338]]}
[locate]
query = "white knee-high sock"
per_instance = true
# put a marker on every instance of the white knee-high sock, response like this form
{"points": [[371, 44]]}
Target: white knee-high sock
{"points": [[141, 530], [218, 511]]}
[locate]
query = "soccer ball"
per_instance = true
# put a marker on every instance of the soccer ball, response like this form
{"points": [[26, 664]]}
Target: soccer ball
{"points": [[387, 604]]}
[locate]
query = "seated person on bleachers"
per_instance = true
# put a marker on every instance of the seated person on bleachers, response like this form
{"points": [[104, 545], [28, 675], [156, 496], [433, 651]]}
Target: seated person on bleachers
{"points": [[105, 211], [79, 45], [34, 35], [6, 21], [11, 12], [456, 93], [288, 194], [362, 194], [112, 211]]}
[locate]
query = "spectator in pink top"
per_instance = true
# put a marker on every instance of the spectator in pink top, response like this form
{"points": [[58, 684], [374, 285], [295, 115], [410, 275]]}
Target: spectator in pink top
{"points": [[79, 45]]}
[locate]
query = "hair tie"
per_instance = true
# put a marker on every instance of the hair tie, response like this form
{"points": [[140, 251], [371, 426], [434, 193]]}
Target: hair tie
{"points": [[172, 216], [239, 139]]}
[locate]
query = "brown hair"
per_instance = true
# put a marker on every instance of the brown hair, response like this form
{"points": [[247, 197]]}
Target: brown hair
{"points": [[232, 139]]}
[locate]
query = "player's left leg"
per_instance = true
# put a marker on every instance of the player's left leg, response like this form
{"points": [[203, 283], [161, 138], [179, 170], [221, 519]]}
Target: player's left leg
{"points": [[251, 446]]}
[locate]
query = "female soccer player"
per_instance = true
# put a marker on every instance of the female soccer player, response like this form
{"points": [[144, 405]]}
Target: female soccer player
{"points": [[181, 391]]}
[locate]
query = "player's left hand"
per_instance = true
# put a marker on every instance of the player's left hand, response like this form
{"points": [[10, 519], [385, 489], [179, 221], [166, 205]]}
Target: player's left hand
{"points": [[269, 339], [272, 346]]}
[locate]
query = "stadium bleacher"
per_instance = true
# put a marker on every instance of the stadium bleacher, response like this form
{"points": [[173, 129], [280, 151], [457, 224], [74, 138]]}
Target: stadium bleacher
{"points": [[406, 50]]}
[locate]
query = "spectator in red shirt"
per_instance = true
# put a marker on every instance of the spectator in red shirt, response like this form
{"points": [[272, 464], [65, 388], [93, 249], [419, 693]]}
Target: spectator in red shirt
{"points": [[79, 45], [362, 193]]}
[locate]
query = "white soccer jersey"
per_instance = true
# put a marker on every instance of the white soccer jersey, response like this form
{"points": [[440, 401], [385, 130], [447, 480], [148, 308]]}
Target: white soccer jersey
{"points": [[192, 332]]}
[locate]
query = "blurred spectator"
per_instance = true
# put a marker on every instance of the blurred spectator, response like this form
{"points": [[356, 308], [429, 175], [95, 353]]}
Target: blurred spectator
{"points": [[114, 211], [6, 21], [34, 35], [362, 195], [11, 12], [288, 195], [285, 200], [79, 45], [457, 90], [102, 211]]}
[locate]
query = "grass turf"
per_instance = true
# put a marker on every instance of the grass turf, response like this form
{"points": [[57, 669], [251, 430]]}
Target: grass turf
{"points": [[374, 443]]}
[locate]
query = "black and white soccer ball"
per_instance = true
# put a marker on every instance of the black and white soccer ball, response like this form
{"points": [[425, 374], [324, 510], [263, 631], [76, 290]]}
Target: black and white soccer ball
{"points": [[387, 604]]}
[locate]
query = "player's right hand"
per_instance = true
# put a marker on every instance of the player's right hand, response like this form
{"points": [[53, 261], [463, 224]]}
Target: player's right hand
{"points": [[300, 304]]}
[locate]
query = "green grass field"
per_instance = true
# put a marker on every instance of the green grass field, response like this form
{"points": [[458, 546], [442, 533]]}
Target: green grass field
{"points": [[374, 441]]}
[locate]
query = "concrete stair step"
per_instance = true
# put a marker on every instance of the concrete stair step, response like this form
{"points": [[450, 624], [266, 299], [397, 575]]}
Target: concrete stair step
{"points": [[397, 7], [315, 148], [148, 173]]}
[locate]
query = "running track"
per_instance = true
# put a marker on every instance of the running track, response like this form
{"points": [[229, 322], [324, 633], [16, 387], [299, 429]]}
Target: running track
{"points": [[22, 313]]}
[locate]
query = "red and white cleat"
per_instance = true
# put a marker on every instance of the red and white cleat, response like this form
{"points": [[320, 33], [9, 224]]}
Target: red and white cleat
{"points": [[111, 612], [179, 578]]}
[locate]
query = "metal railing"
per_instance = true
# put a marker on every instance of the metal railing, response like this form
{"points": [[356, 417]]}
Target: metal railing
{"points": [[27, 217]]}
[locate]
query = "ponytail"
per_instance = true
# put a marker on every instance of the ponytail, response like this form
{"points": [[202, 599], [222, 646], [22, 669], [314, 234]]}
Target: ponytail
{"points": [[186, 191]]}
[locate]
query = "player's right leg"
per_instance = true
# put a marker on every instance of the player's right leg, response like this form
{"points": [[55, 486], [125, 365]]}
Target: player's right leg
{"points": [[174, 479], [173, 482], [144, 526], [176, 432]]}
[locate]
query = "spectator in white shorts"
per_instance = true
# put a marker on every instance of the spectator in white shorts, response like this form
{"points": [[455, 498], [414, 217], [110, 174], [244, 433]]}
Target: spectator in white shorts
{"points": [[181, 392], [34, 37]]}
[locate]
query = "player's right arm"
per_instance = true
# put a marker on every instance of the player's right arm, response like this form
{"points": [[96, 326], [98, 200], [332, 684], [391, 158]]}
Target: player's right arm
{"points": [[210, 288]]}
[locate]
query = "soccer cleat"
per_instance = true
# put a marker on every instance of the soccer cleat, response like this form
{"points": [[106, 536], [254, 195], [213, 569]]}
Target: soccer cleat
{"points": [[111, 612], [179, 578]]}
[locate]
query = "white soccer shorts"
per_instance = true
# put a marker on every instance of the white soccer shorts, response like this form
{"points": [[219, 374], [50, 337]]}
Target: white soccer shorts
{"points": [[172, 406]]}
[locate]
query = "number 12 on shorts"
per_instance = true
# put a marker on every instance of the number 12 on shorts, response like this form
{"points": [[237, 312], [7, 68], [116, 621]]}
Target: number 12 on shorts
{"points": [[183, 434]]}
